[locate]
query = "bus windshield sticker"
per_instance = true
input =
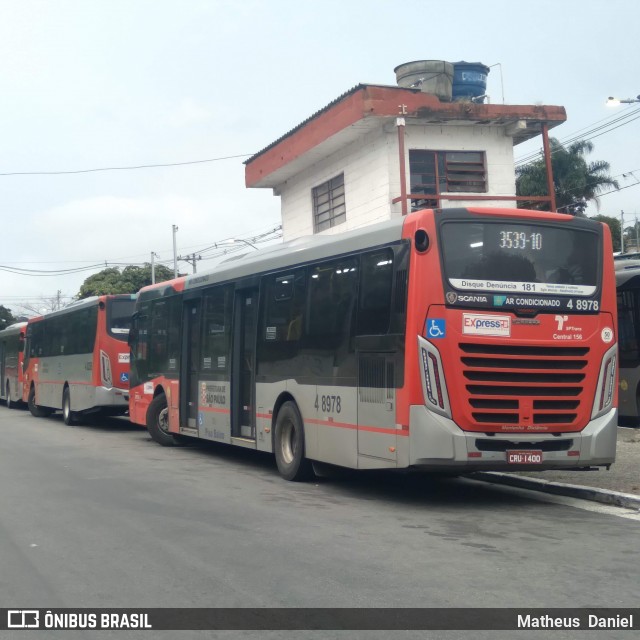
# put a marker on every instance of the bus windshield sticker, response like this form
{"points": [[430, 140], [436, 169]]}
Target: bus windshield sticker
{"points": [[486, 325], [523, 287], [436, 328], [271, 333]]}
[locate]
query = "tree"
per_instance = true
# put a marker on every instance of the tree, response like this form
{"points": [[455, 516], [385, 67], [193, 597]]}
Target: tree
{"points": [[130, 280], [6, 317], [614, 226], [576, 181]]}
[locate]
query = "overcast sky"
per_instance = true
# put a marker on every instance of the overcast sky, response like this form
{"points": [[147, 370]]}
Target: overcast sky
{"points": [[88, 84]]}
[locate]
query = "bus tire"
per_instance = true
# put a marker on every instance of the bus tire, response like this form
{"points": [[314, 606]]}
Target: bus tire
{"points": [[158, 422], [68, 416], [289, 444], [37, 411]]}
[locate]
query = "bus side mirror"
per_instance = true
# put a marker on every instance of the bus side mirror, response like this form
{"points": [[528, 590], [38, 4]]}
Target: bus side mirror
{"points": [[133, 336]]}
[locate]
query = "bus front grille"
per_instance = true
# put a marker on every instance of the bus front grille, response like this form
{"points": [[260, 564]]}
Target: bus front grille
{"points": [[516, 385]]}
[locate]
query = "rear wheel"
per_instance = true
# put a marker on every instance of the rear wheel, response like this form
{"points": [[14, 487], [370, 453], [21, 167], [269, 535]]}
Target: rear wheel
{"points": [[68, 416], [37, 411], [289, 444], [158, 422]]}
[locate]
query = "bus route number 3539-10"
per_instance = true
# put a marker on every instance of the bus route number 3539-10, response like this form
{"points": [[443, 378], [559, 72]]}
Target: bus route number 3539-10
{"points": [[329, 404]]}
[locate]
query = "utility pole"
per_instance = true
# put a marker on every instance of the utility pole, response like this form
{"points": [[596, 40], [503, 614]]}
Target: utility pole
{"points": [[175, 254], [191, 259], [153, 267], [58, 299]]}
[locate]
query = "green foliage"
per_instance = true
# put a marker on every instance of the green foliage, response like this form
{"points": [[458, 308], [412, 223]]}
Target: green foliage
{"points": [[6, 317], [576, 181], [130, 280], [614, 226]]}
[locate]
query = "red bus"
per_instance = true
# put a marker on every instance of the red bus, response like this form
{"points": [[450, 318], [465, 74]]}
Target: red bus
{"points": [[11, 343], [77, 360], [448, 340]]}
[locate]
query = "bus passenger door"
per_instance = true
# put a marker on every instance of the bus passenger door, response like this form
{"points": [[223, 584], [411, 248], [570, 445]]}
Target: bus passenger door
{"points": [[243, 413], [190, 365]]}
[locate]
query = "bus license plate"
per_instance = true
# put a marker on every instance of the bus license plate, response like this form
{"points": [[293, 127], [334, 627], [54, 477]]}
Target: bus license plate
{"points": [[524, 457]]}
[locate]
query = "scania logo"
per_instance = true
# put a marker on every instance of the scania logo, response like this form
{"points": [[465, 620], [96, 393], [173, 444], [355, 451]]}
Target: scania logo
{"points": [[452, 296]]}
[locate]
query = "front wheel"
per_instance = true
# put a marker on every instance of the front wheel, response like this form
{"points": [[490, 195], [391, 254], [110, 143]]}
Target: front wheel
{"points": [[158, 422], [37, 411], [68, 416], [289, 444]]}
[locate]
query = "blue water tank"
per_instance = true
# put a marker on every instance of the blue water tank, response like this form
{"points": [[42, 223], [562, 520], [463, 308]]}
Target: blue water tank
{"points": [[469, 80]]}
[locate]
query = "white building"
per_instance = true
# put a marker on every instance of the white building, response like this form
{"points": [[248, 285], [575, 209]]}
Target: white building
{"points": [[377, 151]]}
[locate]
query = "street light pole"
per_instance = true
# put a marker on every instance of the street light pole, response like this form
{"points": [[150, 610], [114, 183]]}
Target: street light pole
{"points": [[153, 267], [175, 253]]}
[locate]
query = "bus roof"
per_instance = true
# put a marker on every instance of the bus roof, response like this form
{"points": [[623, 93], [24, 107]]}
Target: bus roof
{"points": [[319, 247], [14, 328], [84, 304]]}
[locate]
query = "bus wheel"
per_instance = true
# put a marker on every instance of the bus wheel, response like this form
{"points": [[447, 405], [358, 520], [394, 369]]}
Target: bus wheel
{"points": [[158, 422], [68, 416], [289, 444], [36, 411]]}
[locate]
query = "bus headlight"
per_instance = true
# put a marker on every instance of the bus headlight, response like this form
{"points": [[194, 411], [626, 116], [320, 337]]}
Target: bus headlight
{"points": [[434, 387], [606, 383]]}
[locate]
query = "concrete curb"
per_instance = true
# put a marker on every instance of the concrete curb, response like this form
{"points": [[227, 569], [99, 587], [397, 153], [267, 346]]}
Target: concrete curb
{"points": [[605, 496]]}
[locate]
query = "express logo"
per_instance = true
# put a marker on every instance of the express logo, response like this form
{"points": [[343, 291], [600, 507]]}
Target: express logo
{"points": [[486, 325]]}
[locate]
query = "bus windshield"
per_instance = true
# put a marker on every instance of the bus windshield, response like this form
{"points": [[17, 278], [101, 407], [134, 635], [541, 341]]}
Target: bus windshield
{"points": [[119, 317], [520, 258]]}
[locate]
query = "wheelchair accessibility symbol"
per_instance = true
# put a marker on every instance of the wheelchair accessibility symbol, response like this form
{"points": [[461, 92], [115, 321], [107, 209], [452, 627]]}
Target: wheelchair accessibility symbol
{"points": [[124, 377], [436, 328]]}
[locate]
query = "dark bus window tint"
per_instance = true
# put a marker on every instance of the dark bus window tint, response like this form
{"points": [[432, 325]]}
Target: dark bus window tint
{"points": [[140, 346], [283, 288], [173, 338], [216, 329], [285, 299], [629, 327], [376, 282], [332, 294], [119, 312], [158, 337], [88, 329], [521, 252], [36, 338]]}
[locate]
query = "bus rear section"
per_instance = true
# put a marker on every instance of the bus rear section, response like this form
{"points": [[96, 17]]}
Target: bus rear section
{"points": [[11, 346], [514, 320], [77, 359]]}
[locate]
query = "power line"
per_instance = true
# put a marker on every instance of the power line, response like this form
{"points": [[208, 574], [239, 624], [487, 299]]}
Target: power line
{"points": [[589, 135], [128, 168]]}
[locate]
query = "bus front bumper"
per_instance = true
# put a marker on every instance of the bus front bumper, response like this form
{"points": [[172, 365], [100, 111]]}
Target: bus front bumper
{"points": [[437, 443]]}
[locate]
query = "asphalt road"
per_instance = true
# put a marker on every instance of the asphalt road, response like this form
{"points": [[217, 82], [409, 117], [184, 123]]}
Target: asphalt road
{"points": [[101, 516]]}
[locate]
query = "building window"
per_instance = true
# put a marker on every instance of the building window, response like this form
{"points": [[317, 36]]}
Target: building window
{"points": [[328, 204], [438, 172]]}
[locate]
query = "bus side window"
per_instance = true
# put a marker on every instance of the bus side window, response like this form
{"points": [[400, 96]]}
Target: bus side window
{"points": [[216, 329], [332, 293], [285, 298], [374, 302]]}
